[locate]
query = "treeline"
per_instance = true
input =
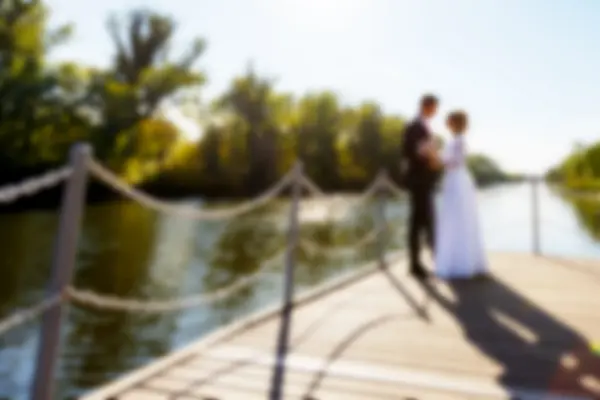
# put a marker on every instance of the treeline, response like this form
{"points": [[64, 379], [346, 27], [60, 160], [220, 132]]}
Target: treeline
{"points": [[487, 172], [45, 108], [580, 170], [250, 135]]}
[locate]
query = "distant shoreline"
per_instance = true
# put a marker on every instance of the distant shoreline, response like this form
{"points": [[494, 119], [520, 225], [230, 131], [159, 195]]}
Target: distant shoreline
{"points": [[585, 193], [97, 193]]}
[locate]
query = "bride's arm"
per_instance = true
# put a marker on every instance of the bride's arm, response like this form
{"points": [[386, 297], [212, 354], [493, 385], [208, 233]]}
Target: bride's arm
{"points": [[430, 152], [454, 156]]}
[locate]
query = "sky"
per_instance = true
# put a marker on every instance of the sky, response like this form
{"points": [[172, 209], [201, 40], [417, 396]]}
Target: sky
{"points": [[526, 71]]}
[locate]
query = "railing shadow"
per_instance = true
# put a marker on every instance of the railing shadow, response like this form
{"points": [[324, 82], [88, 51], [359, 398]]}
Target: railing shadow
{"points": [[339, 349], [419, 309], [581, 267], [556, 359]]}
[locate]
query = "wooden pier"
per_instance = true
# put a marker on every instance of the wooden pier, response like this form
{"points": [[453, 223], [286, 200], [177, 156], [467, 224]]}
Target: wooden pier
{"points": [[526, 332]]}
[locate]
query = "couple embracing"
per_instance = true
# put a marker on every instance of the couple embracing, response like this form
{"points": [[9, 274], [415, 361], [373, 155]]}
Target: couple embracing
{"points": [[452, 232]]}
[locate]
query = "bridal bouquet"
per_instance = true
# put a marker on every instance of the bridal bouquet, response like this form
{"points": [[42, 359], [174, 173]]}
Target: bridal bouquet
{"points": [[430, 150]]}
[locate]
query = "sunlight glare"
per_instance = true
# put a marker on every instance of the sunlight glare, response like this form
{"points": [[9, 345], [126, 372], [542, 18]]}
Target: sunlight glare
{"points": [[515, 327], [188, 129]]}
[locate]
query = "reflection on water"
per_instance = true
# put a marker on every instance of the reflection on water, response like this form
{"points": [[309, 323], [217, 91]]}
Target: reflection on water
{"points": [[588, 213], [128, 251], [567, 225]]}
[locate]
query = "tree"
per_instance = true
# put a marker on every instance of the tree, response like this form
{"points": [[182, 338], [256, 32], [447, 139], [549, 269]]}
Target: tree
{"points": [[317, 128], [251, 135], [249, 98], [141, 78], [35, 117], [580, 169], [485, 170], [367, 144]]}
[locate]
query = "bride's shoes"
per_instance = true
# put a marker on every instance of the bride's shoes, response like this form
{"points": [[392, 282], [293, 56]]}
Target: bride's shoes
{"points": [[481, 276], [419, 272]]}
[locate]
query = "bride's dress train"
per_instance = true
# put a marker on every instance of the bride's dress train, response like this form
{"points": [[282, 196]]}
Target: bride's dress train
{"points": [[459, 245]]}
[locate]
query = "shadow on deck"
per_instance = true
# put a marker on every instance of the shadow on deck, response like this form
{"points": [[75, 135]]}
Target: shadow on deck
{"points": [[523, 333], [534, 349]]}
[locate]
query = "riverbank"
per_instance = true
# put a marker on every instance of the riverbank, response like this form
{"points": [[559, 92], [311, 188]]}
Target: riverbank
{"points": [[128, 251], [590, 193], [583, 186], [167, 188]]}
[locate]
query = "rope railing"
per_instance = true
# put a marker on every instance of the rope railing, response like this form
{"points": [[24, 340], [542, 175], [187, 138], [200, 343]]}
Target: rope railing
{"points": [[367, 239], [101, 301], [388, 184], [109, 178], [62, 291], [22, 317], [34, 185], [311, 187], [381, 183], [108, 302], [106, 176], [9, 194], [29, 187], [115, 303]]}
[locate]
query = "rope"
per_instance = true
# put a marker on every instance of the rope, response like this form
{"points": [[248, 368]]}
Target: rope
{"points": [[391, 186], [115, 303], [31, 186], [126, 190], [311, 187], [358, 245], [28, 314], [317, 193], [369, 193]]}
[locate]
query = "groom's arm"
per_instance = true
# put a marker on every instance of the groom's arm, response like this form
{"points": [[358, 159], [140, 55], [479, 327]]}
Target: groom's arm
{"points": [[410, 142], [408, 151], [436, 161], [418, 146]]}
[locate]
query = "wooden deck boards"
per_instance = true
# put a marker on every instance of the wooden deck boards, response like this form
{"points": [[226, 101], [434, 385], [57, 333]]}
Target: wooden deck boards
{"points": [[524, 333]]}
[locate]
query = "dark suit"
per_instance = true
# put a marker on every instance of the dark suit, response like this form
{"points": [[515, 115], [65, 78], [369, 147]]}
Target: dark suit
{"points": [[419, 179]]}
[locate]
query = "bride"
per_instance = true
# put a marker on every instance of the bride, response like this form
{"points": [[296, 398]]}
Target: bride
{"points": [[459, 249]]}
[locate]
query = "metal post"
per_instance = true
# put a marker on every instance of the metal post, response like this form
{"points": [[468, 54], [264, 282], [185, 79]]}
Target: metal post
{"points": [[535, 216], [63, 265], [380, 224], [278, 378]]}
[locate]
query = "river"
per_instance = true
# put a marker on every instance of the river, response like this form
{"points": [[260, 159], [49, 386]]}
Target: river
{"points": [[128, 251]]}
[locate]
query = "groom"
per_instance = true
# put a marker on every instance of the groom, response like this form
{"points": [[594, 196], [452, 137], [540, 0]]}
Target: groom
{"points": [[419, 174]]}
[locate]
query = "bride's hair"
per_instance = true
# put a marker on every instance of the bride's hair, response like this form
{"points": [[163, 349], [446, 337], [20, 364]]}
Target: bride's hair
{"points": [[458, 120]]}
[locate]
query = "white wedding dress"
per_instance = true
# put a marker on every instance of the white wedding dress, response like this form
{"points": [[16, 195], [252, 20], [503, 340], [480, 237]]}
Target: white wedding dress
{"points": [[459, 245]]}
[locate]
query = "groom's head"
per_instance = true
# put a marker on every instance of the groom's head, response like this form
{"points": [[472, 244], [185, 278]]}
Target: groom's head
{"points": [[429, 105]]}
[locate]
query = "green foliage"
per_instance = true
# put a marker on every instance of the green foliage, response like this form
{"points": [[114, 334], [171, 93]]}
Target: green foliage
{"points": [[45, 109], [485, 170], [141, 78], [31, 111], [580, 170], [264, 132], [252, 134]]}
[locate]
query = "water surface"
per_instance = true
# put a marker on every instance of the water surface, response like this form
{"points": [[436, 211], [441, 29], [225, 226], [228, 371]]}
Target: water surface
{"points": [[128, 251]]}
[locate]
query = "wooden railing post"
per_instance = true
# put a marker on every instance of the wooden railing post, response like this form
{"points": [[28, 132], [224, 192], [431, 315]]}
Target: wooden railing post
{"points": [[278, 378], [535, 216], [380, 223], [63, 265]]}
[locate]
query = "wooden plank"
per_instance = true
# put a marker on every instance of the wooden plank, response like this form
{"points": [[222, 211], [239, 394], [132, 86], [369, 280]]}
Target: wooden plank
{"points": [[115, 388], [463, 385], [526, 327], [255, 379], [143, 394]]}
